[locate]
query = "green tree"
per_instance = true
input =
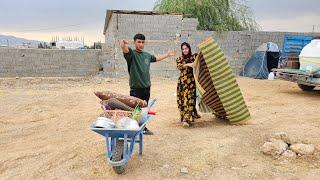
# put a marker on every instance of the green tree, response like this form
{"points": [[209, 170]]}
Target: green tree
{"points": [[213, 15]]}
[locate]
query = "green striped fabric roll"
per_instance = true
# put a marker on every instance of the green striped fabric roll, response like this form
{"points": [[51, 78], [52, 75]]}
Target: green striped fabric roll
{"points": [[221, 92]]}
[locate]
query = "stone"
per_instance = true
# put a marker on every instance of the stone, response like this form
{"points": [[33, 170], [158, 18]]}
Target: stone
{"points": [[289, 154], [284, 137], [303, 149], [274, 148], [184, 170]]}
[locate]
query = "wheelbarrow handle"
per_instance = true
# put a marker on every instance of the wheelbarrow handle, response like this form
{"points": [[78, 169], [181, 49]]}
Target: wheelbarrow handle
{"points": [[152, 112], [151, 103]]}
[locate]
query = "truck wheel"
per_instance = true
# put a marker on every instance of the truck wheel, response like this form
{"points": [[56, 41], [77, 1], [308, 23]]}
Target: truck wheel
{"points": [[306, 87], [118, 155]]}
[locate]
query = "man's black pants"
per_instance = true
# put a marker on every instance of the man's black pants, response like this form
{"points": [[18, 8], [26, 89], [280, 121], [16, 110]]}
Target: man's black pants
{"points": [[142, 93]]}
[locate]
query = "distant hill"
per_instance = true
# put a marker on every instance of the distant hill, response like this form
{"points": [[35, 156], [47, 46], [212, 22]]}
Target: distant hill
{"points": [[16, 41]]}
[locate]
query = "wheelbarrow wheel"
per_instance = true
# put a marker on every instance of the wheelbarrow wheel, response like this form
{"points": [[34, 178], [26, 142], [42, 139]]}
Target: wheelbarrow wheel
{"points": [[117, 156]]}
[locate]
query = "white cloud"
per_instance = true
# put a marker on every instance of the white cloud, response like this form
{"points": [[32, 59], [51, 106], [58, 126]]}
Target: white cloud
{"points": [[21, 15], [298, 24]]}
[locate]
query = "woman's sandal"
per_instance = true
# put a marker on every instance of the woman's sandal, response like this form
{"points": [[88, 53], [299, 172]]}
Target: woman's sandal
{"points": [[197, 116], [185, 124]]}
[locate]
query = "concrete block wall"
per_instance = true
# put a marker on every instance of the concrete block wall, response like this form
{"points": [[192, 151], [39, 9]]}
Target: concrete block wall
{"points": [[162, 32], [165, 32], [154, 27], [49, 63], [238, 46]]}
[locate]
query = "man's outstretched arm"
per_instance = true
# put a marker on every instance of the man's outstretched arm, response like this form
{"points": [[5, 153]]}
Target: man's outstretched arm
{"points": [[161, 57]]}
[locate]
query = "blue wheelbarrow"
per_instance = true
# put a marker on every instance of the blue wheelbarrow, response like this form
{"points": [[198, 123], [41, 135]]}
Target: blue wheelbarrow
{"points": [[120, 143]]}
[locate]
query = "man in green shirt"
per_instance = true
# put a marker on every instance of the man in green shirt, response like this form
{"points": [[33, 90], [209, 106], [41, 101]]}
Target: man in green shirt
{"points": [[138, 62]]}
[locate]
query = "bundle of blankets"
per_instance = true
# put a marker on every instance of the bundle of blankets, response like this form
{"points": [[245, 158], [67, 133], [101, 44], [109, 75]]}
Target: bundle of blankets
{"points": [[217, 87], [113, 101]]}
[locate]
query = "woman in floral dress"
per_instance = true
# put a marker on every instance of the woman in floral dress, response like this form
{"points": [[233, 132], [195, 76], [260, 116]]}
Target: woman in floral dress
{"points": [[186, 88]]}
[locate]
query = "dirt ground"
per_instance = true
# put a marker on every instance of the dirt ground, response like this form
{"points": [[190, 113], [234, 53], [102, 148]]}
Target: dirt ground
{"points": [[44, 133]]}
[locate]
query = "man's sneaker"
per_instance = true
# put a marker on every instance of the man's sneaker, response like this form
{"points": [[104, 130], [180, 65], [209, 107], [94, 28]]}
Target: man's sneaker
{"points": [[146, 131]]}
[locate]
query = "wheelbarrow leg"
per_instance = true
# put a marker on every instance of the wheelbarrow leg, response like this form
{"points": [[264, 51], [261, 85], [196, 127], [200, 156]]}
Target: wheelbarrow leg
{"points": [[125, 147], [109, 146], [141, 142]]}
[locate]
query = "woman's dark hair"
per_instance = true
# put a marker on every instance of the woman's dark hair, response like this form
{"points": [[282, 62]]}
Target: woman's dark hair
{"points": [[139, 36], [189, 47]]}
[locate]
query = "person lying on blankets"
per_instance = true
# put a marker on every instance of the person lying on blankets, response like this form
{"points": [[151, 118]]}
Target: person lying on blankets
{"points": [[138, 62], [186, 88]]}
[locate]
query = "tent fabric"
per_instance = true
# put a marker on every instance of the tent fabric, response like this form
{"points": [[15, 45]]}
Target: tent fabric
{"points": [[262, 61], [217, 86], [272, 47], [269, 47]]}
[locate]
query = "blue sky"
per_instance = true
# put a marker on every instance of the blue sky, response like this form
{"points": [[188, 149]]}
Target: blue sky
{"points": [[42, 19]]}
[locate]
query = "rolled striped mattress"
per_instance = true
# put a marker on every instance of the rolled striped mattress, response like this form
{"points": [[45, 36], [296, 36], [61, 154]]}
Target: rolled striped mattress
{"points": [[217, 86]]}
